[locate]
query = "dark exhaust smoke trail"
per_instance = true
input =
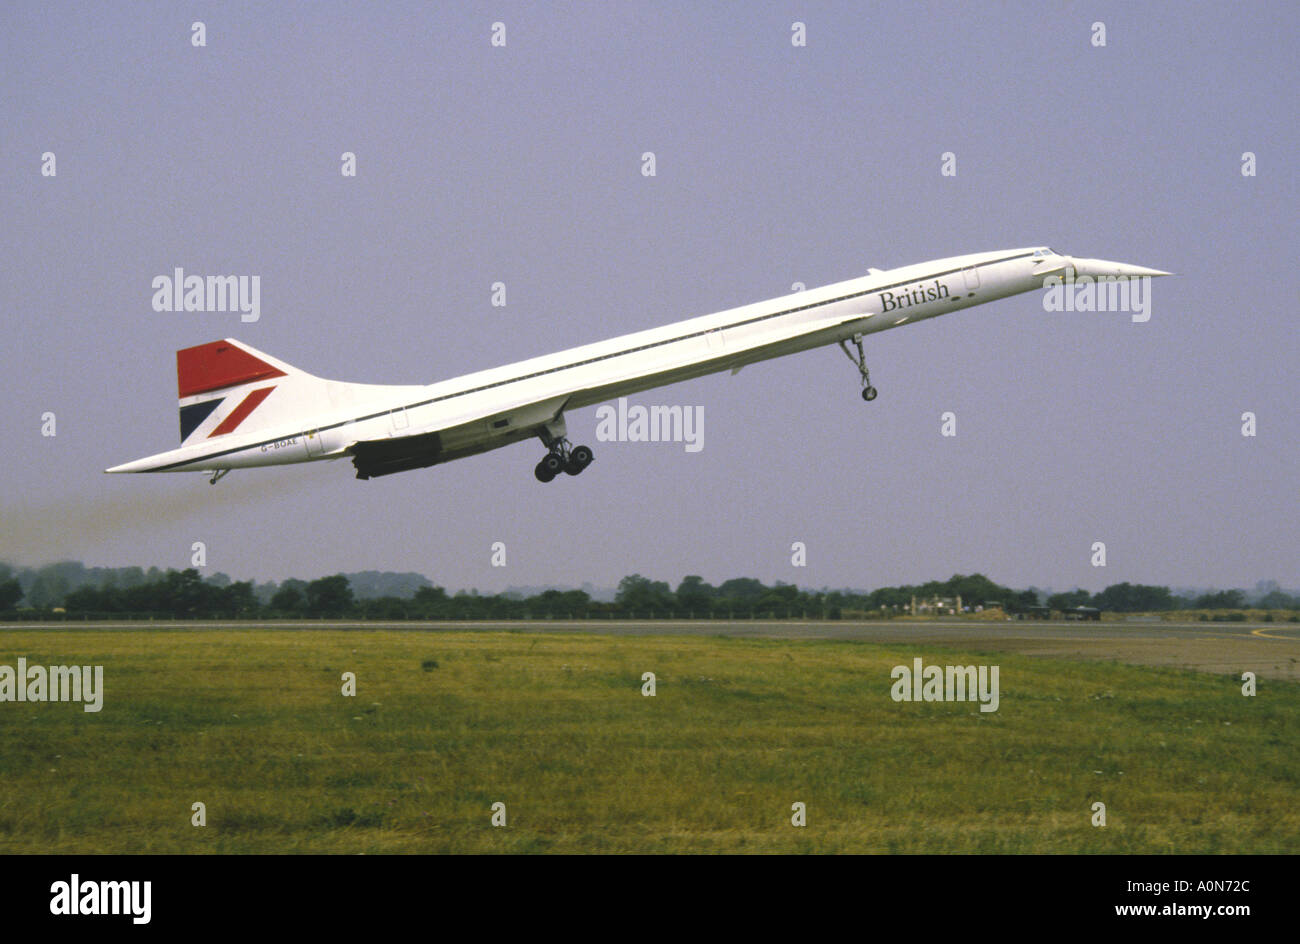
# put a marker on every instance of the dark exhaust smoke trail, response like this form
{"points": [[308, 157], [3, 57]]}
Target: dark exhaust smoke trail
{"points": [[125, 505]]}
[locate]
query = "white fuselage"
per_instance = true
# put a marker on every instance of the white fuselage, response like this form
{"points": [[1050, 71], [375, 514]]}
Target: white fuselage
{"points": [[491, 408]]}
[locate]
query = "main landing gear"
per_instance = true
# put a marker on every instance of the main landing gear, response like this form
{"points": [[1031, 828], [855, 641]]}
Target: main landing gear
{"points": [[561, 457], [868, 391]]}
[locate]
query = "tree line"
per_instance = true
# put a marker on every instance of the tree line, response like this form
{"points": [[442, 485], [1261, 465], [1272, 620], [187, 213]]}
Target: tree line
{"points": [[185, 594]]}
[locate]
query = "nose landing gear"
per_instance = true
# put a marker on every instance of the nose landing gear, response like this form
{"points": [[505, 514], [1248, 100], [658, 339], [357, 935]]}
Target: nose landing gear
{"points": [[868, 391]]}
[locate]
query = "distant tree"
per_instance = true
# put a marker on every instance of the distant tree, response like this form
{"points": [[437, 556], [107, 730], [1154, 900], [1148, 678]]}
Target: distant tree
{"points": [[546, 603], [329, 596], [741, 588], [1277, 600], [559, 604], [637, 594], [143, 598], [128, 577], [975, 589], [694, 595], [385, 608], [427, 596], [11, 591], [1223, 600], [289, 598], [183, 590], [782, 600], [1262, 588], [1069, 600], [1021, 600], [373, 584], [573, 603], [56, 581], [85, 600], [47, 589], [238, 599], [892, 597], [629, 586], [1134, 598]]}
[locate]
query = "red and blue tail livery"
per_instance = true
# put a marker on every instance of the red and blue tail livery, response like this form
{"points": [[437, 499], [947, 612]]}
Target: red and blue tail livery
{"points": [[216, 374]]}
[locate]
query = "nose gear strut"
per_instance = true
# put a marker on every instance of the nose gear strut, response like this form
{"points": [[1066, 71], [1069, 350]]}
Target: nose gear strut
{"points": [[868, 391]]}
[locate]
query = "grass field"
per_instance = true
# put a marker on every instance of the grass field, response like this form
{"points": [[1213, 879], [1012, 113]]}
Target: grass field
{"points": [[253, 724]]}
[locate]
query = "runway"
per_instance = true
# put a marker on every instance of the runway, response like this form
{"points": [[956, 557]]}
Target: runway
{"points": [[1270, 650]]}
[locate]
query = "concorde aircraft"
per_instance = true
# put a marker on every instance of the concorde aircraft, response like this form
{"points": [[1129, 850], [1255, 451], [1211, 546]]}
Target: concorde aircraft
{"points": [[240, 408]]}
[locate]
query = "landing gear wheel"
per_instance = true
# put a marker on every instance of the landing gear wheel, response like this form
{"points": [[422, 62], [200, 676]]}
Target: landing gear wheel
{"points": [[869, 394], [579, 459], [550, 466]]}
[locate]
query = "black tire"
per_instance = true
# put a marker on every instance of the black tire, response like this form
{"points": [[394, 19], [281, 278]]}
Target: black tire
{"points": [[541, 473], [869, 394], [579, 458]]}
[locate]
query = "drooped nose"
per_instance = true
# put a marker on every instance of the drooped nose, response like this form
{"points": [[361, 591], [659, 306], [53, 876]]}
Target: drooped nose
{"points": [[1098, 268]]}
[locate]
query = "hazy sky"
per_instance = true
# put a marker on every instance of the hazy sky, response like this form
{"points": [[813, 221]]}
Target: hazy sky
{"points": [[775, 164]]}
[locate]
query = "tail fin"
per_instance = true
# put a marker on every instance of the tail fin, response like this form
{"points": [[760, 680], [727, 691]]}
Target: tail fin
{"points": [[225, 385]]}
